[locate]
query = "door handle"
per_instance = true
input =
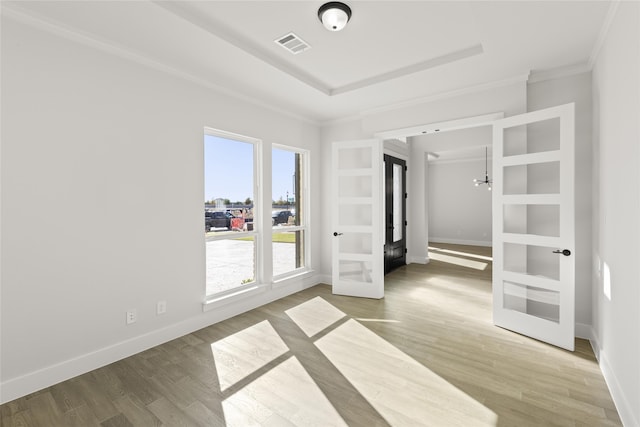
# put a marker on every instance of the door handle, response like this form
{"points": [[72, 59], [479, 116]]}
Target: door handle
{"points": [[565, 252], [335, 233]]}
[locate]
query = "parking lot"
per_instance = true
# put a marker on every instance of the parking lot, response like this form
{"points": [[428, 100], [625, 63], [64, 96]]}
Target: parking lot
{"points": [[230, 262]]}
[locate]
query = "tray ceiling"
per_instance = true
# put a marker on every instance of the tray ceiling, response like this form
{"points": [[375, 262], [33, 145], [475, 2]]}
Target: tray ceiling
{"points": [[390, 52]]}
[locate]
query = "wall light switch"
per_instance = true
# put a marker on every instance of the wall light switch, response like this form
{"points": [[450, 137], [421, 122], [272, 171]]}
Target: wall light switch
{"points": [[161, 307]]}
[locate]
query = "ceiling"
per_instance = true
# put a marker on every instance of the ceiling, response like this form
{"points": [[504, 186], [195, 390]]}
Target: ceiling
{"points": [[391, 52]]}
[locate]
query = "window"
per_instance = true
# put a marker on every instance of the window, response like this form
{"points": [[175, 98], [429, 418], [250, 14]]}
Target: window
{"points": [[229, 200], [289, 217]]}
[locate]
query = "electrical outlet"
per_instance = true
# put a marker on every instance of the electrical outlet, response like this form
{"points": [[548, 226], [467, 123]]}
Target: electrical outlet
{"points": [[132, 316], [161, 307]]}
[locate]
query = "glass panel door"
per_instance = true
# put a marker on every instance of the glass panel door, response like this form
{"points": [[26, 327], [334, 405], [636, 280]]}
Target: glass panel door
{"points": [[357, 257], [533, 214]]}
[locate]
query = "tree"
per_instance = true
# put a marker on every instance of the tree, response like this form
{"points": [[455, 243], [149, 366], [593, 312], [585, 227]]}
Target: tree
{"points": [[248, 201]]}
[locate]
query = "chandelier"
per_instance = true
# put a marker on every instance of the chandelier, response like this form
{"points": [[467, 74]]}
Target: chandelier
{"points": [[486, 179]]}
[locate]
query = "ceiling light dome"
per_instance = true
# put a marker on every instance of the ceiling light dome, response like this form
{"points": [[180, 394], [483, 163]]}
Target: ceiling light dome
{"points": [[334, 15]]}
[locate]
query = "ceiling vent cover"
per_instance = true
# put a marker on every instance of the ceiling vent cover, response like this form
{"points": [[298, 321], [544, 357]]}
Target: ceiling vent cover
{"points": [[292, 43]]}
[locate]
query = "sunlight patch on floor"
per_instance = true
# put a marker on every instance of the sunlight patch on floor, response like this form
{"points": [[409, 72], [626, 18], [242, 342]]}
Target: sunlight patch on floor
{"points": [[401, 389], [463, 262], [285, 395], [314, 315], [466, 254], [239, 355], [377, 320]]}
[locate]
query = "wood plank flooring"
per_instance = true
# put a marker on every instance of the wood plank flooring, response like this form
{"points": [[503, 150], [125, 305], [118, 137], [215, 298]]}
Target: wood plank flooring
{"points": [[426, 354]]}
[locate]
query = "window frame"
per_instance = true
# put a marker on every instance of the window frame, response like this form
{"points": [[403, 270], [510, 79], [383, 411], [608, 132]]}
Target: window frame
{"points": [[305, 220], [258, 257]]}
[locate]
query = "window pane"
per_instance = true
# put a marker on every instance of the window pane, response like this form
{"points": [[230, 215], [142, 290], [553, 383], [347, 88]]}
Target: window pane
{"points": [[287, 210], [286, 176], [228, 185], [537, 178], [288, 251], [228, 209], [532, 260], [542, 303], [398, 198], [532, 138], [230, 264]]}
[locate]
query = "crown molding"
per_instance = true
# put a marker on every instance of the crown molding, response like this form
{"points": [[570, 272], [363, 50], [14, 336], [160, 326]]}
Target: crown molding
{"points": [[341, 120], [557, 73], [18, 14], [446, 95], [604, 31], [571, 70]]}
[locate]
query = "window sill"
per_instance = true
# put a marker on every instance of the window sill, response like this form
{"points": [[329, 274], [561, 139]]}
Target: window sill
{"points": [[297, 275], [219, 301]]}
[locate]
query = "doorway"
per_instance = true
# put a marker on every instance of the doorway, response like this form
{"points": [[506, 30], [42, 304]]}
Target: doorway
{"points": [[533, 218], [395, 193]]}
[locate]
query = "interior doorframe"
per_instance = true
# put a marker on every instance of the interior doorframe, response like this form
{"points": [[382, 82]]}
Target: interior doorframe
{"points": [[415, 165], [471, 122]]}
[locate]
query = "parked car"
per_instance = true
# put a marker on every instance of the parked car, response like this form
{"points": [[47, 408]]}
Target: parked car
{"points": [[281, 217], [217, 220]]}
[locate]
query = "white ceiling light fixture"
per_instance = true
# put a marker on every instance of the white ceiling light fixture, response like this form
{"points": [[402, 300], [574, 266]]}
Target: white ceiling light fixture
{"points": [[334, 15]]}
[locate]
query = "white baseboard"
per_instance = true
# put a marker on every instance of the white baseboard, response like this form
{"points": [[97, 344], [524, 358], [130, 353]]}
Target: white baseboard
{"points": [[625, 410], [324, 278], [584, 331], [417, 260], [460, 241], [37, 380]]}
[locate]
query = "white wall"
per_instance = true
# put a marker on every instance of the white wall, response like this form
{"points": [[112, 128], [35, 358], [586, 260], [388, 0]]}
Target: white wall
{"points": [[576, 89], [459, 212], [418, 206], [102, 191], [616, 201]]}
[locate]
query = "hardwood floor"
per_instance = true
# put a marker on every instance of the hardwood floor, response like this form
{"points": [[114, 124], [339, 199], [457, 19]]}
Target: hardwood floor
{"points": [[426, 354]]}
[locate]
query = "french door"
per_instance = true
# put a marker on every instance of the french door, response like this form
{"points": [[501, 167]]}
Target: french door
{"points": [[533, 225], [395, 213], [358, 242]]}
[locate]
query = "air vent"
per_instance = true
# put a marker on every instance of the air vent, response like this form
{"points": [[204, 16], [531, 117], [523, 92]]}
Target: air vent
{"points": [[292, 43]]}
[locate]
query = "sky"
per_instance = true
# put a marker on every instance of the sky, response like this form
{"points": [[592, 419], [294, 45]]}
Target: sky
{"points": [[228, 172]]}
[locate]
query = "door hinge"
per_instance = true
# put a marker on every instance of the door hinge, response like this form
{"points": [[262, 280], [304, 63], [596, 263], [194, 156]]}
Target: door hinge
{"points": [[406, 223], [406, 168], [406, 250], [406, 195]]}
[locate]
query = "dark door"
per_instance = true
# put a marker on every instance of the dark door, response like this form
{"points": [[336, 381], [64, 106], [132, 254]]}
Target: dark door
{"points": [[395, 173]]}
